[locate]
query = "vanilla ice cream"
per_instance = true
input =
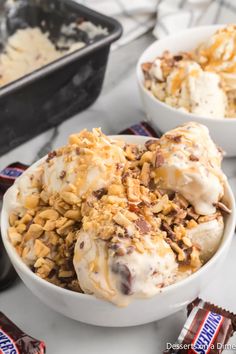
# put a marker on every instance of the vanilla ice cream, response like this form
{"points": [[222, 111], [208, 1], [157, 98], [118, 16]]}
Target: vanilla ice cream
{"points": [[26, 50], [88, 163], [191, 165], [197, 91], [184, 85], [29, 49], [207, 237], [110, 277], [217, 54]]}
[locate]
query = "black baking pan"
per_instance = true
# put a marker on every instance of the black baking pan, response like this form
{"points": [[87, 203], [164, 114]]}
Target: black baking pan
{"points": [[46, 97]]}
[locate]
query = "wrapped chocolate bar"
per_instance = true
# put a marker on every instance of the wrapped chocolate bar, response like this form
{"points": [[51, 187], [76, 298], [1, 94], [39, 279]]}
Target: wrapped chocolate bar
{"points": [[206, 331], [14, 341], [209, 306]]}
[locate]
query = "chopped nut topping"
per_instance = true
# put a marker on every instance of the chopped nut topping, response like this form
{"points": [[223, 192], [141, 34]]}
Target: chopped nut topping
{"points": [[133, 189], [40, 249], [174, 137], [178, 250], [158, 159], [206, 218], [34, 232], [14, 236], [151, 144], [191, 224], [192, 157], [73, 214], [13, 218], [49, 214], [192, 214], [31, 201], [145, 174], [122, 220], [131, 152], [51, 155], [100, 193], [142, 225], [70, 198], [195, 259], [65, 274], [62, 174], [158, 207], [129, 214]]}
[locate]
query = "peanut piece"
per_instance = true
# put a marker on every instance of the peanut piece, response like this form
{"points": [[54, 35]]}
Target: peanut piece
{"points": [[52, 237], [73, 214], [12, 219], [62, 231], [70, 198], [60, 222], [21, 228], [50, 225], [191, 224], [38, 220], [49, 214], [145, 174], [34, 232], [121, 220], [26, 219], [32, 201], [14, 236], [65, 274], [116, 189], [133, 189], [40, 249], [44, 197], [187, 241]]}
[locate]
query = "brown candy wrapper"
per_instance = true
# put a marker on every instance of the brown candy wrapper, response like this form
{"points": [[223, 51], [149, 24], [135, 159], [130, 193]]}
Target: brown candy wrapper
{"points": [[206, 331], [14, 341], [209, 306]]}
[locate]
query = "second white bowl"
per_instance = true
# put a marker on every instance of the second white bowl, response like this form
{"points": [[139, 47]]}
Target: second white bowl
{"points": [[164, 117]]}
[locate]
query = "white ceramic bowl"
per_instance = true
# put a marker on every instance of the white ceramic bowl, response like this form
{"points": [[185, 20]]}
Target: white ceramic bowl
{"points": [[164, 117], [88, 309]]}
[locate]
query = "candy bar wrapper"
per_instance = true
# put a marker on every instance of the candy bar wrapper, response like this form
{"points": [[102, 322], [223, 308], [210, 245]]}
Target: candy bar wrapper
{"points": [[209, 306], [206, 331], [14, 341]]}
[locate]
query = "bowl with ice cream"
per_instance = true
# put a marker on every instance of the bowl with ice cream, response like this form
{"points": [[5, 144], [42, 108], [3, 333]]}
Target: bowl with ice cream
{"points": [[122, 230], [192, 76]]}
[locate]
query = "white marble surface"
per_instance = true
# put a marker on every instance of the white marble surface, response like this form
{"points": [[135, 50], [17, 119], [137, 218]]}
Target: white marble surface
{"points": [[117, 107]]}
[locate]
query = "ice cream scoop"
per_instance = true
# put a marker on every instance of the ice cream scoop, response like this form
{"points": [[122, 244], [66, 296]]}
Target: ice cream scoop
{"points": [[88, 163], [188, 162], [183, 84], [195, 90], [111, 277], [217, 54]]}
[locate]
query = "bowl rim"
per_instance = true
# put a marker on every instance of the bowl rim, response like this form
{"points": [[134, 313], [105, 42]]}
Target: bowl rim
{"points": [[170, 288], [158, 42]]}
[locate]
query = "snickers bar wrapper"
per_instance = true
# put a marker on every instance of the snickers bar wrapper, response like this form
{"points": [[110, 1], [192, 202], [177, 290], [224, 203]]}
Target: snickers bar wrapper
{"points": [[14, 341], [209, 306], [206, 331]]}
